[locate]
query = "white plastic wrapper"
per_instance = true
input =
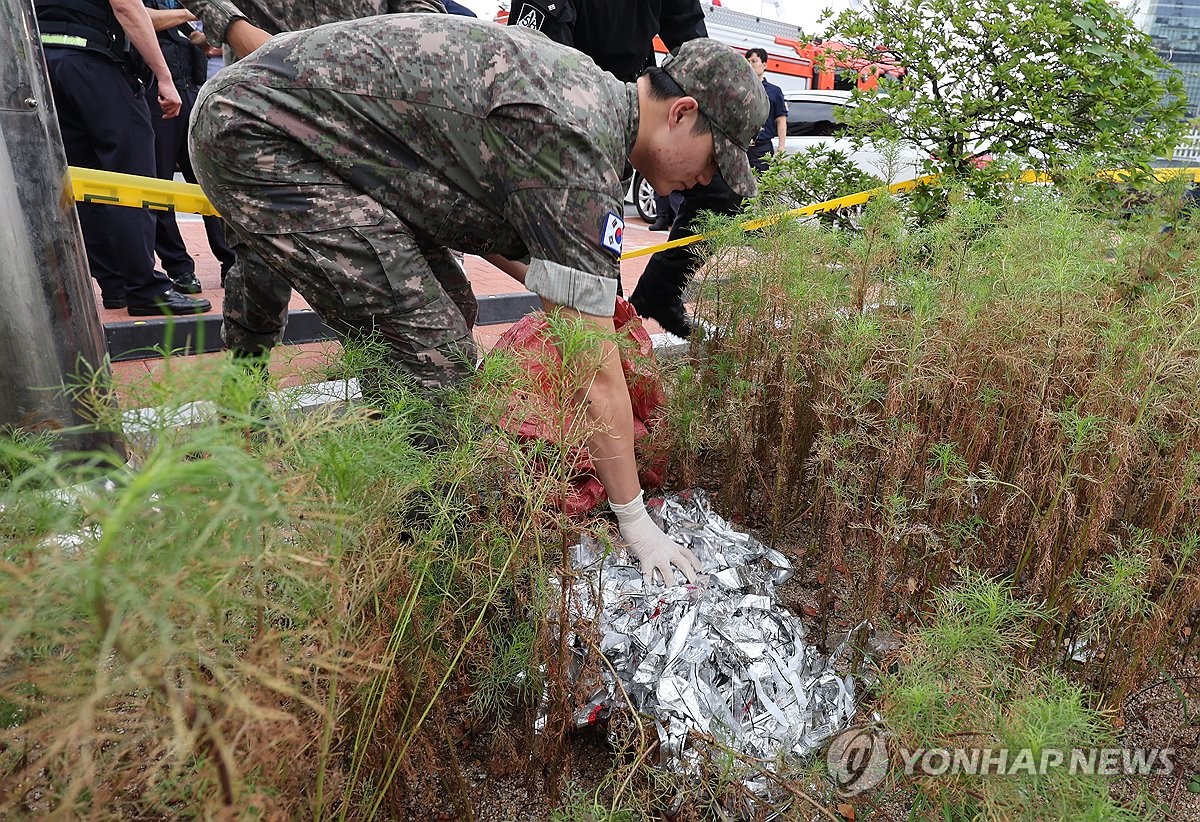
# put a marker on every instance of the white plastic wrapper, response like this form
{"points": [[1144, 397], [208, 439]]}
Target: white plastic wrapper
{"points": [[721, 657]]}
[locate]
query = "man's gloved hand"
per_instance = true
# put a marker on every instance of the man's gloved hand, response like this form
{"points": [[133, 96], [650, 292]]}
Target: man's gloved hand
{"points": [[655, 551]]}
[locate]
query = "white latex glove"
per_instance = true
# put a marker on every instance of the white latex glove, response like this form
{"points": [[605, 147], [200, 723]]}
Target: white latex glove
{"points": [[655, 551]]}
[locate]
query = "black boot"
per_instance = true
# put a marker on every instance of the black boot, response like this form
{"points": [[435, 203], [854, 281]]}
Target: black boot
{"points": [[186, 283], [672, 317], [675, 320], [172, 303]]}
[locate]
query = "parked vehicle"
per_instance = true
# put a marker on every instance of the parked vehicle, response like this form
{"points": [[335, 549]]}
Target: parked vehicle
{"points": [[813, 120], [641, 195], [794, 63]]}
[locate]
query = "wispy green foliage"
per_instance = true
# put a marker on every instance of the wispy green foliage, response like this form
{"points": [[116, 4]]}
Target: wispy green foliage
{"points": [[815, 175], [959, 685], [266, 611]]}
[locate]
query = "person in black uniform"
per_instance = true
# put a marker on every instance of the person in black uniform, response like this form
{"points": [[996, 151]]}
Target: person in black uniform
{"points": [[659, 292], [92, 49], [775, 126], [189, 68], [619, 36]]}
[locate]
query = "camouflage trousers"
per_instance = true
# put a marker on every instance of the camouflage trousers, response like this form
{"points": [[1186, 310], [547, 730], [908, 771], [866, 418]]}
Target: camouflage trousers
{"points": [[357, 264]]}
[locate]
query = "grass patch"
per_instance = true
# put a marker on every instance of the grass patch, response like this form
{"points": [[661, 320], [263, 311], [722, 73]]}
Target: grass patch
{"points": [[269, 611]]}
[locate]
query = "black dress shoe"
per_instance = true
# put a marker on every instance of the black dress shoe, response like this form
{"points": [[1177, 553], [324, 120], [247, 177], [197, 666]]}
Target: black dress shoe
{"points": [[660, 225], [186, 283], [114, 302], [171, 303]]}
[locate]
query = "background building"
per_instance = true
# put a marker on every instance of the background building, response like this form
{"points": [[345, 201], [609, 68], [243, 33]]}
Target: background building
{"points": [[1174, 28]]}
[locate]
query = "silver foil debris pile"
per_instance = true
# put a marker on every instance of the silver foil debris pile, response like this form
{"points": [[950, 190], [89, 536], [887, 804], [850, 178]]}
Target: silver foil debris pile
{"points": [[722, 657]]}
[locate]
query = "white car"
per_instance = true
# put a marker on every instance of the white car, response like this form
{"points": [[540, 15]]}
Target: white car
{"points": [[813, 121], [641, 196]]}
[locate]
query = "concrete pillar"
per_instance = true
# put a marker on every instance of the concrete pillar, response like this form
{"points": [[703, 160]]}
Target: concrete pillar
{"points": [[48, 318]]}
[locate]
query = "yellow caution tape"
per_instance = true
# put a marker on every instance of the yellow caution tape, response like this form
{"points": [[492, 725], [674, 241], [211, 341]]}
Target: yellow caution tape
{"points": [[861, 197], [1162, 175], [91, 186], [805, 211]]}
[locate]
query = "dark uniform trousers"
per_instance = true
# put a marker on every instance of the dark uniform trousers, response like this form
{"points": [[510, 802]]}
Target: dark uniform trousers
{"points": [[189, 68], [105, 124], [758, 154], [171, 153], [668, 272]]}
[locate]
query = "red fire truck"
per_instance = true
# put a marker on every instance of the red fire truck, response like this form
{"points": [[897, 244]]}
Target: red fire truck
{"points": [[794, 62]]}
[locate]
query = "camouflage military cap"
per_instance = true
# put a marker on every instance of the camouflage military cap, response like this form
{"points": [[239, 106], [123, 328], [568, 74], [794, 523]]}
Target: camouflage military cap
{"points": [[730, 96]]}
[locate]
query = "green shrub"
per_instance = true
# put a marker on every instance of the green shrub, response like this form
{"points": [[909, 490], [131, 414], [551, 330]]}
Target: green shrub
{"points": [[960, 683]]}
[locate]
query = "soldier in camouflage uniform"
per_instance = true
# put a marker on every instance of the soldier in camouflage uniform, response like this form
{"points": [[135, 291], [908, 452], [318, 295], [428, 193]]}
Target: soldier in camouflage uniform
{"points": [[352, 156], [225, 19]]}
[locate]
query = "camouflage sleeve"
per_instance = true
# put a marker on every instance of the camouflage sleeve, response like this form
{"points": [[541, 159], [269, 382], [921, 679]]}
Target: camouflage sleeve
{"points": [[217, 16], [563, 200], [412, 6], [574, 239]]}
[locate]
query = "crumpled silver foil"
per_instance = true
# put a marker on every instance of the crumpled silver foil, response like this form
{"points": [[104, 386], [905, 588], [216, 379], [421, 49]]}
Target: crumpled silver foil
{"points": [[721, 657]]}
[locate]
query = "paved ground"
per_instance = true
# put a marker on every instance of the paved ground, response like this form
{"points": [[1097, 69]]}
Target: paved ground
{"points": [[293, 364]]}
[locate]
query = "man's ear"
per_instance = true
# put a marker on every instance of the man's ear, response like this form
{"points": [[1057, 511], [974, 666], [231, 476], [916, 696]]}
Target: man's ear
{"points": [[682, 108]]}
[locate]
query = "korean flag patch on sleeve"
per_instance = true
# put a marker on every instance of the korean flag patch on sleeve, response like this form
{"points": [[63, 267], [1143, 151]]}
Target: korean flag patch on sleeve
{"points": [[611, 233]]}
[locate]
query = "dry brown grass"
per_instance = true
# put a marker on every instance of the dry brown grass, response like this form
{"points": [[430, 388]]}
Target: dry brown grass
{"points": [[1010, 390]]}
